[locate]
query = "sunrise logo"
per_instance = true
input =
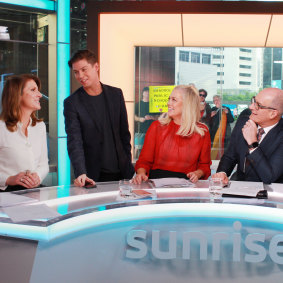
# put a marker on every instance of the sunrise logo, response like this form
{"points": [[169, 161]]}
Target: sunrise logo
{"points": [[255, 246]]}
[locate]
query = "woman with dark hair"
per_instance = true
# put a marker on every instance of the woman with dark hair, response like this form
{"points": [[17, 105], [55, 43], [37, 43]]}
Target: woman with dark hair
{"points": [[177, 145], [23, 147]]}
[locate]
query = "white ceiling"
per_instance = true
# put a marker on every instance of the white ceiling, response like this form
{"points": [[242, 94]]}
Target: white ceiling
{"points": [[225, 30], [233, 30], [250, 30]]}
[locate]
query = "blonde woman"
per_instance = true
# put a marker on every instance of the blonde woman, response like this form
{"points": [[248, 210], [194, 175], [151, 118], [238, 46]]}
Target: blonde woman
{"points": [[177, 145]]}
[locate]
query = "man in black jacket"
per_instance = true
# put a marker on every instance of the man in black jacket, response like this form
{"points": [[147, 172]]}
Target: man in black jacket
{"points": [[96, 123], [257, 142], [205, 109]]}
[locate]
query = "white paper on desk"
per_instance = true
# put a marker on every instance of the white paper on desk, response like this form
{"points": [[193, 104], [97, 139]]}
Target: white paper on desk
{"points": [[172, 182], [137, 195], [21, 213], [253, 201], [243, 189], [9, 199]]}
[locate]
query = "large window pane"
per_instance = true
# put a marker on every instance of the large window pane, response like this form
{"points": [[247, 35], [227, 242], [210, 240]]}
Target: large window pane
{"points": [[24, 49], [231, 76], [78, 25]]}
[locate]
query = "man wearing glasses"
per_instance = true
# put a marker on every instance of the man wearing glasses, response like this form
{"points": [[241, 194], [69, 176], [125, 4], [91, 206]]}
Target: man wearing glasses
{"points": [[257, 142], [205, 109]]}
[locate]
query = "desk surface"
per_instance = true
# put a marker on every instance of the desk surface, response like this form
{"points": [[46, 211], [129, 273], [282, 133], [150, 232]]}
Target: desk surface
{"points": [[179, 234], [71, 202]]}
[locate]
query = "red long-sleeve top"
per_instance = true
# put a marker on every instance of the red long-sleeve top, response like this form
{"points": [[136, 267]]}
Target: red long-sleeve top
{"points": [[164, 149]]}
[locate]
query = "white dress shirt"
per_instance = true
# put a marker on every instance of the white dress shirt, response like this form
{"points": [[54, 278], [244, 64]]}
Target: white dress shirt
{"points": [[19, 153]]}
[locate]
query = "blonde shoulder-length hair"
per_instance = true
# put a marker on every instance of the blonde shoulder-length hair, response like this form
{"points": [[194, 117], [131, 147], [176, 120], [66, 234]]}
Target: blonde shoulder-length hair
{"points": [[190, 113]]}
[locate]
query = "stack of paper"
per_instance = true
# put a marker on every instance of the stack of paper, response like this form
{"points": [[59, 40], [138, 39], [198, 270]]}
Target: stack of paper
{"points": [[21, 208], [240, 188], [172, 183], [137, 194]]}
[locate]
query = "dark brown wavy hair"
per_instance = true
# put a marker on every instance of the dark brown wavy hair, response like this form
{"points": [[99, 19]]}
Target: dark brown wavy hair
{"points": [[11, 108], [88, 55]]}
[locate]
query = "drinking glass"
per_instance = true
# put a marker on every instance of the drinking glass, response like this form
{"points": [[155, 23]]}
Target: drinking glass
{"points": [[126, 188], [215, 188]]}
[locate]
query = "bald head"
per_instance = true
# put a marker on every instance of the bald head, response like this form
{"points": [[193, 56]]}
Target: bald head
{"points": [[273, 98]]}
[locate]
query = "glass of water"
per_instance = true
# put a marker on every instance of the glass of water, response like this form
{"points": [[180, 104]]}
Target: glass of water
{"points": [[215, 188], [126, 188]]}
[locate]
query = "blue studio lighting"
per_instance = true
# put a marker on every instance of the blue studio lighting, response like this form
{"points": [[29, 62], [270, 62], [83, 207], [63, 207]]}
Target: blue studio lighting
{"points": [[63, 87], [256, 214], [37, 4], [64, 177]]}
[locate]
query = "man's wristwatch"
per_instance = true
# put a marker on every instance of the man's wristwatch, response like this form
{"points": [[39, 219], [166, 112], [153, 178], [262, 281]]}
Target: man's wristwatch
{"points": [[253, 145]]}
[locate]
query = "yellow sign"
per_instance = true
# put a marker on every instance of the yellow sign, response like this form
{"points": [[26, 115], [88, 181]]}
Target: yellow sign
{"points": [[158, 98]]}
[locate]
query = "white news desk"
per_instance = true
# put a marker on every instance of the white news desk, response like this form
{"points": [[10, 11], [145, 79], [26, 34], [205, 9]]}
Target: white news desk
{"points": [[180, 235]]}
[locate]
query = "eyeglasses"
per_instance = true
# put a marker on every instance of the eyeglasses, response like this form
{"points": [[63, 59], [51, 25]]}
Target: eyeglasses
{"points": [[203, 95], [259, 106]]}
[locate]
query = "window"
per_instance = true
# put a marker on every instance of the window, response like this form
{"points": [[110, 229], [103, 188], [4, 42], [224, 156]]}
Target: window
{"points": [[245, 66], [166, 69], [195, 57], [277, 67], [219, 65], [245, 50], [218, 56], [78, 25], [184, 56], [206, 58], [244, 75], [24, 49], [245, 58]]}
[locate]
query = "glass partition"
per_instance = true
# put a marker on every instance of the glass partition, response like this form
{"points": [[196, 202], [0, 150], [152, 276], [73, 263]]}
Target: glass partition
{"points": [[227, 78], [24, 49]]}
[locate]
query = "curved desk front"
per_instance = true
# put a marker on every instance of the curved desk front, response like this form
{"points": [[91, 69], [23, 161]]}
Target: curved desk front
{"points": [[180, 235]]}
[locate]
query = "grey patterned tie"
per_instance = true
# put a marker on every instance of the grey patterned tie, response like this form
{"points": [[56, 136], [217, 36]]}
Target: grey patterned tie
{"points": [[259, 134]]}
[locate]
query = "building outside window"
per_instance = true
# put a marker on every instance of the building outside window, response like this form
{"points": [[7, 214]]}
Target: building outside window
{"points": [[213, 69]]}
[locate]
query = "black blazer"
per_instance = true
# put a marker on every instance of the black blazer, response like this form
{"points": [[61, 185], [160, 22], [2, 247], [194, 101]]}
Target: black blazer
{"points": [[265, 164], [84, 138], [214, 124]]}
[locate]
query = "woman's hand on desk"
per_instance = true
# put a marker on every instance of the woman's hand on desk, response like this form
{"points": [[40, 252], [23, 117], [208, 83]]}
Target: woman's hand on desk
{"points": [[27, 180], [32, 180], [195, 175], [140, 176]]}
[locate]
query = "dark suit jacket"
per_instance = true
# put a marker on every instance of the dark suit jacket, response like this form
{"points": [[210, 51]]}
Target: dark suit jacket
{"points": [[84, 137], [206, 119], [265, 164]]}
